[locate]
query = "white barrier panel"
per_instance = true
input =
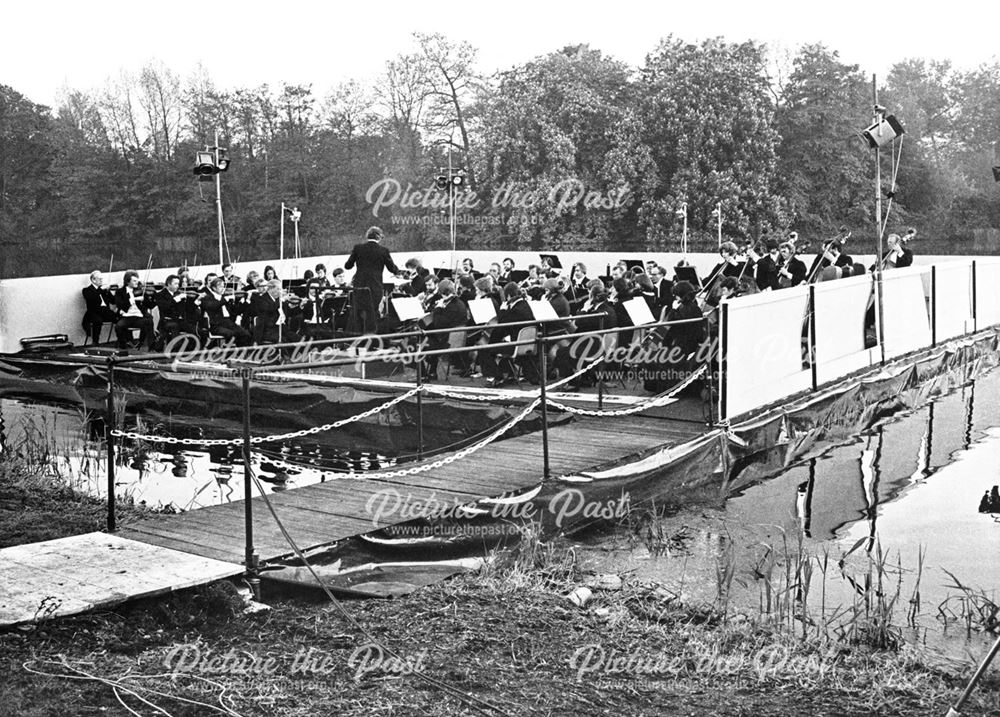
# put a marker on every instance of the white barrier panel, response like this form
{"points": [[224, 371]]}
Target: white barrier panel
{"points": [[904, 311], [952, 303], [987, 292], [840, 308], [763, 349]]}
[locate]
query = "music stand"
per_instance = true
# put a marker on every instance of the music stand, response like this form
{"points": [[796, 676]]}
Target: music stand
{"points": [[638, 311], [518, 275], [634, 264], [688, 274], [552, 259], [483, 310], [408, 308]]}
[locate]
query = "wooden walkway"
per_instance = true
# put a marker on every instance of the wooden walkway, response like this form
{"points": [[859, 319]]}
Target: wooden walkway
{"points": [[325, 513]]}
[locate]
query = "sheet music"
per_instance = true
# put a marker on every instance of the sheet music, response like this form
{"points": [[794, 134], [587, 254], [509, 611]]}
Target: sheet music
{"points": [[542, 310], [483, 310], [408, 308], [638, 311]]}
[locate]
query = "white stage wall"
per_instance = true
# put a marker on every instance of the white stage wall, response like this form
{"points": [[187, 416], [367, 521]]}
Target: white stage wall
{"points": [[952, 300], [905, 310], [840, 308], [763, 348]]}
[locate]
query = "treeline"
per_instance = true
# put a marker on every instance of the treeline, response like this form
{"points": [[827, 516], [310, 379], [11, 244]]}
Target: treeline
{"points": [[573, 149]]}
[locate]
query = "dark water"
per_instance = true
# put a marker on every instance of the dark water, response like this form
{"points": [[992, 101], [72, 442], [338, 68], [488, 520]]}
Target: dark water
{"points": [[912, 483]]}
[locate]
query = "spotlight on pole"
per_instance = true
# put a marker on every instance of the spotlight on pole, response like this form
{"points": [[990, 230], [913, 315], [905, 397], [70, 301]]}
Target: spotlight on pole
{"points": [[885, 129]]}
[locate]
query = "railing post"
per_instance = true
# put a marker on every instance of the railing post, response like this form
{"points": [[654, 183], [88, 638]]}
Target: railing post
{"points": [[975, 319], [109, 428], [600, 371], [420, 408], [723, 361], [250, 555], [542, 380], [934, 306], [811, 337]]}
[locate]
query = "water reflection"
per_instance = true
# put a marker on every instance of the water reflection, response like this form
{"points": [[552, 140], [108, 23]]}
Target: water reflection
{"points": [[71, 443], [914, 482]]}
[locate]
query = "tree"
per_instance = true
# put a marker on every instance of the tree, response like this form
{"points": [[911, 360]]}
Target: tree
{"points": [[824, 169], [706, 120]]}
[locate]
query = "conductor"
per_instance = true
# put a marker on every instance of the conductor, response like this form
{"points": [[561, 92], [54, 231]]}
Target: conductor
{"points": [[371, 259]]}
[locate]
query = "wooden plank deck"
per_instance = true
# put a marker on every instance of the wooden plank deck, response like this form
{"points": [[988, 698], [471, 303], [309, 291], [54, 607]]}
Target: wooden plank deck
{"points": [[325, 513], [71, 575]]}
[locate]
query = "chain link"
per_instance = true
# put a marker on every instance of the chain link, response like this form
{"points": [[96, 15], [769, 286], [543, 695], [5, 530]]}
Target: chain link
{"points": [[267, 439], [652, 403]]}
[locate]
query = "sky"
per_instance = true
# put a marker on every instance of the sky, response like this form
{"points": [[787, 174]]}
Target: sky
{"points": [[49, 45]]}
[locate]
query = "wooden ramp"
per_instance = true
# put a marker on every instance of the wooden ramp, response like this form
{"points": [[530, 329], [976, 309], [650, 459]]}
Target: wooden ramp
{"points": [[325, 513], [71, 575]]}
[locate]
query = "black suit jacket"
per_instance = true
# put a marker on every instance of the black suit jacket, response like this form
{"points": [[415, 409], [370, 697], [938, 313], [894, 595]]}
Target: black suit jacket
{"points": [[94, 296], [213, 309], [520, 311], [169, 308], [122, 301], [371, 258]]}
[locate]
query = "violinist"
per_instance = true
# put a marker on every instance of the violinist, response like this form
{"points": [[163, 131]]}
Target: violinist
{"points": [[231, 280], [417, 276], [767, 266], [220, 308], [248, 309], [251, 285], [898, 255], [100, 306], [133, 309], [172, 305], [209, 278], [533, 278], [485, 290], [319, 279], [316, 315], [791, 270], [270, 273], [505, 270], [272, 317], [430, 295], [494, 272]]}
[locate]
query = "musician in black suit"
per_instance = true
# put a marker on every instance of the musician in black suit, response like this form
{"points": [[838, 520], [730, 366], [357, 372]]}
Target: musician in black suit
{"points": [[372, 259], [508, 267], [172, 305], [514, 309], [272, 317], [596, 313], [448, 312], [662, 288], [133, 309], [766, 268], [100, 306], [317, 314], [417, 275], [791, 270], [221, 311]]}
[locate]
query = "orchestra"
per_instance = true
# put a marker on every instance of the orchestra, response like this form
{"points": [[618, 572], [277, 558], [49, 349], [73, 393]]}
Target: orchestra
{"points": [[263, 309]]}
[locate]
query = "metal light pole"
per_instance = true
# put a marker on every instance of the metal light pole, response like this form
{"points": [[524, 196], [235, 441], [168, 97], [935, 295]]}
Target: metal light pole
{"points": [[878, 113], [682, 211], [281, 240], [717, 213], [218, 196]]}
